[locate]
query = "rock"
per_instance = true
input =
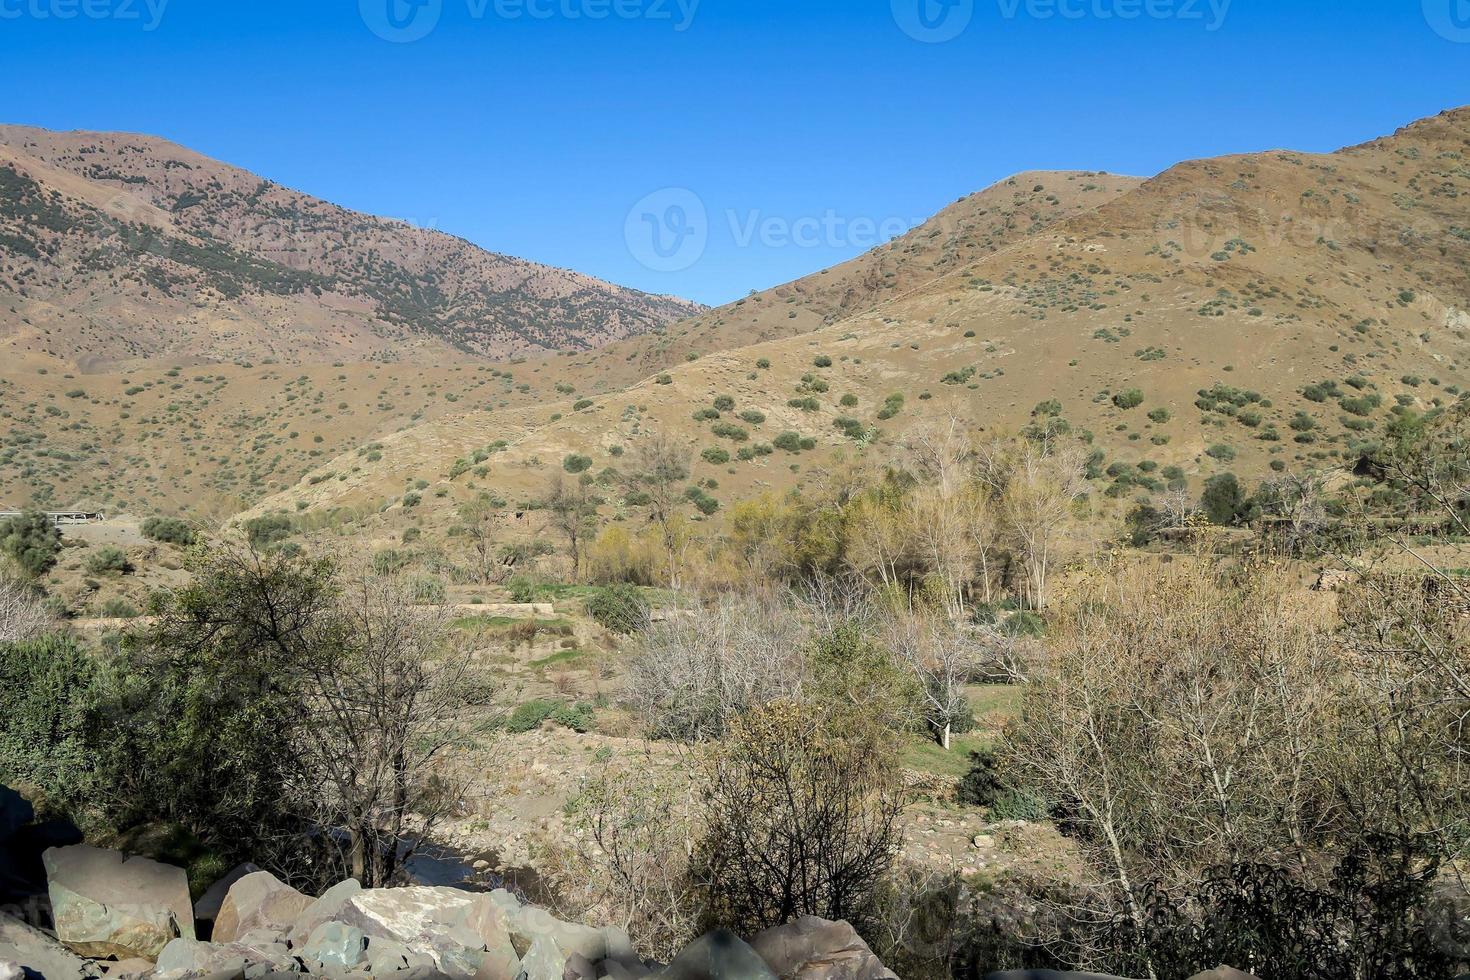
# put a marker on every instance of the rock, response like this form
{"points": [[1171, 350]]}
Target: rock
{"points": [[386, 956], [544, 960], [422, 917], [614, 970], [530, 923], [719, 955], [336, 946], [579, 968], [36, 953], [10, 970], [105, 904], [208, 906], [1222, 973], [127, 969], [191, 958], [324, 909], [1047, 975], [815, 949], [258, 901]]}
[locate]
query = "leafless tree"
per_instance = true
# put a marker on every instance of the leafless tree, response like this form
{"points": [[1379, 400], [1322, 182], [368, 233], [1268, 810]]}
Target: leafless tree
{"points": [[386, 690], [479, 519], [23, 616], [942, 658], [661, 466], [707, 662], [572, 507], [1042, 484]]}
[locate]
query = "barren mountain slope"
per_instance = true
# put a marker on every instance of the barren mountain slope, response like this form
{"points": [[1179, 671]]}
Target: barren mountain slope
{"points": [[116, 248], [1268, 309]]}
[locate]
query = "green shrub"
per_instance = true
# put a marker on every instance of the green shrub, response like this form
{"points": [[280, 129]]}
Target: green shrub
{"points": [[620, 608], [823, 361], [169, 530], [715, 456], [753, 417], [31, 541], [576, 463], [1132, 398], [49, 689], [789, 441], [725, 403], [269, 530], [108, 560]]}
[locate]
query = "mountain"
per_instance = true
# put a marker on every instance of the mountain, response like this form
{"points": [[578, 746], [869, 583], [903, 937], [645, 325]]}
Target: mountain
{"points": [[118, 249], [1247, 313]]}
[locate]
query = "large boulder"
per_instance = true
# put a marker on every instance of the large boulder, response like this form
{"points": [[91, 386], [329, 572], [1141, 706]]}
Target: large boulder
{"points": [[258, 902], [544, 960], [208, 906], [719, 955], [105, 904], [323, 909], [815, 949], [31, 950], [464, 933]]}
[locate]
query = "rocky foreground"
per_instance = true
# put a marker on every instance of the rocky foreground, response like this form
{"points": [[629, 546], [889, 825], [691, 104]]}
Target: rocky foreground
{"points": [[130, 918]]}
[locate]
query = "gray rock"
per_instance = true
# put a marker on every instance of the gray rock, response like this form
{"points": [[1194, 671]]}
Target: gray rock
{"points": [[208, 906], [815, 949], [105, 904], [530, 923], [33, 951], [719, 955], [191, 958], [1222, 973], [387, 956], [336, 946], [11, 970], [258, 902], [544, 960], [1048, 975], [424, 919], [323, 909]]}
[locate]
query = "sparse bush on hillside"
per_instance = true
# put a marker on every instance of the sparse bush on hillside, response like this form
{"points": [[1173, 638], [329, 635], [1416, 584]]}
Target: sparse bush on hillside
{"points": [[23, 613], [269, 530], [1132, 398], [169, 530], [620, 608], [576, 463], [715, 456]]}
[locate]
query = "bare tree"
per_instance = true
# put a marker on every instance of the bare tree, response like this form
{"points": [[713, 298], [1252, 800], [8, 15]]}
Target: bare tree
{"points": [[387, 692], [1042, 485], [705, 664], [23, 616], [942, 658], [661, 466], [573, 509], [479, 519]]}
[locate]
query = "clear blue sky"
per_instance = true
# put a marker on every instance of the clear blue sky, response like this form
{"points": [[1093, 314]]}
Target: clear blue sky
{"points": [[532, 127]]}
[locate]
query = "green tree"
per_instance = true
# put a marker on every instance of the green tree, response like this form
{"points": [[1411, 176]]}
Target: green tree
{"points": [[1224, 501]]}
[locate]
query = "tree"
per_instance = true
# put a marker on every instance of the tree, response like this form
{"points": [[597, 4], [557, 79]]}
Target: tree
{"points": [[1042, 483], [1224, 501], [802, 807], [573, 512], [31, 541], [302, 712], [661, 466], [942, 659], [479, 523]]}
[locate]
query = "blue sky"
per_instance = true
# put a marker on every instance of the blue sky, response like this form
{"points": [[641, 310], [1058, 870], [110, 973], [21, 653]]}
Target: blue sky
{"points": [[764, 138]]}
